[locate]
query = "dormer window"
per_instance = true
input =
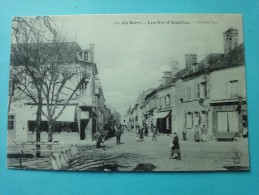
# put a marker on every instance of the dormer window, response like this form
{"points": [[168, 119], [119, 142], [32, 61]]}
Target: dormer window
{"points": [[86, 53], [80, 56]]}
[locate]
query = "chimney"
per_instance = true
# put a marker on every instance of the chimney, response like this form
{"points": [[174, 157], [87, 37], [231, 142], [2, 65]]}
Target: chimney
{"points": [[230, 40], [190, 60], [166, 77], [175, 67], [91, 49]]}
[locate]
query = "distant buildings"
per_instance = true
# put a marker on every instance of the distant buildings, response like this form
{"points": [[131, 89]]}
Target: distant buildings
{"points": [[211, 93]]}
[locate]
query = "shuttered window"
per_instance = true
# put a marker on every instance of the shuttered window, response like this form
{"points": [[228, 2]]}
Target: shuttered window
{"points": [[11, 122]]}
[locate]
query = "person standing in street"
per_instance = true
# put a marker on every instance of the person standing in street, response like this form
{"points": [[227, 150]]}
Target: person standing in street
{"points": [[176, 147], [153, 129], [98, 137], [141, 133], [184, 133], [146, 129], [196, 134], [118, 133], [204, 133], [245, 131]]}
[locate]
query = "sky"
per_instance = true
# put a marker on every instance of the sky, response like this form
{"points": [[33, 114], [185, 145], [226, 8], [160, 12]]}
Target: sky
{"points": [[132, 51]]}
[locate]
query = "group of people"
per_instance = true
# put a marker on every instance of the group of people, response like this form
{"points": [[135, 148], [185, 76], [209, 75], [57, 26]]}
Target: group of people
{"points": [[200, 134], [141, 131], [175, 146], [100, 137]]}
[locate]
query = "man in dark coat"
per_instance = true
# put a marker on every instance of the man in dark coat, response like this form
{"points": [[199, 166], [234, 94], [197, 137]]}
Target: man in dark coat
{"points": [[98, 136], [176, 147], [118, 133], [141, 133]]}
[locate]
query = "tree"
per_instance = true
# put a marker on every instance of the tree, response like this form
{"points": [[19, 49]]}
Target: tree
{"points": [[43, 68], [60, 86]]}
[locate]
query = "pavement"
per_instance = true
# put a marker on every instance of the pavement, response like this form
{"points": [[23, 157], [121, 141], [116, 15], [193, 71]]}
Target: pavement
{"points": [[150, 155]]}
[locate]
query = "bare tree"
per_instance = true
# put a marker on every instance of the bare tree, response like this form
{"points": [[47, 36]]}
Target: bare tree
{"points": [[43, 69], [60, 86]]}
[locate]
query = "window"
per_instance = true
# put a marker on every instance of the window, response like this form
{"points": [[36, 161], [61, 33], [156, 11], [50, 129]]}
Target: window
{"points": [[59, 126], [233, 88], [185, 119], [80, 56], [204, 118], [160, 103], [203, 90], [189, 120], [228, 121], [196, 118], [85, 56], [11, 122], [168, 100], [84, 85], [188, 93]]}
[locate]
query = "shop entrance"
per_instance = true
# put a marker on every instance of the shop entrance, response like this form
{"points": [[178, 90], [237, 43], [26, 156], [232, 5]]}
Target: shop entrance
{"points": [[83, 125], [228, 121]]}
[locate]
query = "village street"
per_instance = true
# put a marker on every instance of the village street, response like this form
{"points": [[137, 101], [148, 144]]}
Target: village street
{"points": [[147, 155], [150, 155]]}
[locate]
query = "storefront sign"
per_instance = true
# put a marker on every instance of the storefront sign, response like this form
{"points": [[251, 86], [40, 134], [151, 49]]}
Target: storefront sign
{"points": [[225, 107]]}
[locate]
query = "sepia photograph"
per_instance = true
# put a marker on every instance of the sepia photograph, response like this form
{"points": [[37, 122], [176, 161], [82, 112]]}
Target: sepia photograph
{"points": [[128, 92]]}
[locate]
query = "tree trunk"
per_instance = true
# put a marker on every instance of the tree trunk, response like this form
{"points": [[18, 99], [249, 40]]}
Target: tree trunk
{"points": [[38, 126], [50, 130], [50, 133]]}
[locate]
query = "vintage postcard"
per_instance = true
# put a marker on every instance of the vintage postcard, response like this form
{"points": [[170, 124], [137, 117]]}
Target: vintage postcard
{"points": [[140, 92]]}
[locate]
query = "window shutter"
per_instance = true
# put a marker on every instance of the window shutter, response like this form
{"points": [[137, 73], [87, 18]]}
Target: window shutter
{"points": [[205, 89], [198, 90], [226, 90], [192, 119], [185, 119], [199, 116], [207, 119]]}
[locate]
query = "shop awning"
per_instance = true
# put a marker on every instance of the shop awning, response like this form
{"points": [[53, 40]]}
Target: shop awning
{"points": [[161, 115], [68, 114]]}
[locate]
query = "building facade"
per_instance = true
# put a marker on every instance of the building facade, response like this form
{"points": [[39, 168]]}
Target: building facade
{"points": [[80, 117]]}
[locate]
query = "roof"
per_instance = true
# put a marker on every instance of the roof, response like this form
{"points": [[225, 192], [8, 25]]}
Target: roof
{"points": [[216, 61], [170, 83], [179, 75], [150, 94]]}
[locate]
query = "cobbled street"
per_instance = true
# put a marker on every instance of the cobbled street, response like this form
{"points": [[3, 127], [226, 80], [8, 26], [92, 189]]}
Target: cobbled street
{"points": [[151, 155]]}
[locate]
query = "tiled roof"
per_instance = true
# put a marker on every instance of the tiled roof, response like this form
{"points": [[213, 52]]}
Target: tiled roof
{"points": [[215, 61], [179, 75], [170, 83]]}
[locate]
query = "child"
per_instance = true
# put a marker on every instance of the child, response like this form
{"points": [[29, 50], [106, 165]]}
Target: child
{"points": [[176, 147]]}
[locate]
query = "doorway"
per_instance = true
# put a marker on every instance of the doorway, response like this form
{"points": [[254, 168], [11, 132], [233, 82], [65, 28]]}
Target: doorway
{"points": [[83, 125]]}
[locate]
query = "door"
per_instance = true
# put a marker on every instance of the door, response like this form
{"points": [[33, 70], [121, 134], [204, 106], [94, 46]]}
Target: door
{"points": [[83, 125]]}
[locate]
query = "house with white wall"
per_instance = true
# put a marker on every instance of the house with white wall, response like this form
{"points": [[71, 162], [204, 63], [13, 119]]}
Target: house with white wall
{"points": [[78, 118]]}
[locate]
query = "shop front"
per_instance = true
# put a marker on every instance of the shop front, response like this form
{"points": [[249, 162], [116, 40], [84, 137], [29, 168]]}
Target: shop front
{"points": [[228, 118], [163, 121]]}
